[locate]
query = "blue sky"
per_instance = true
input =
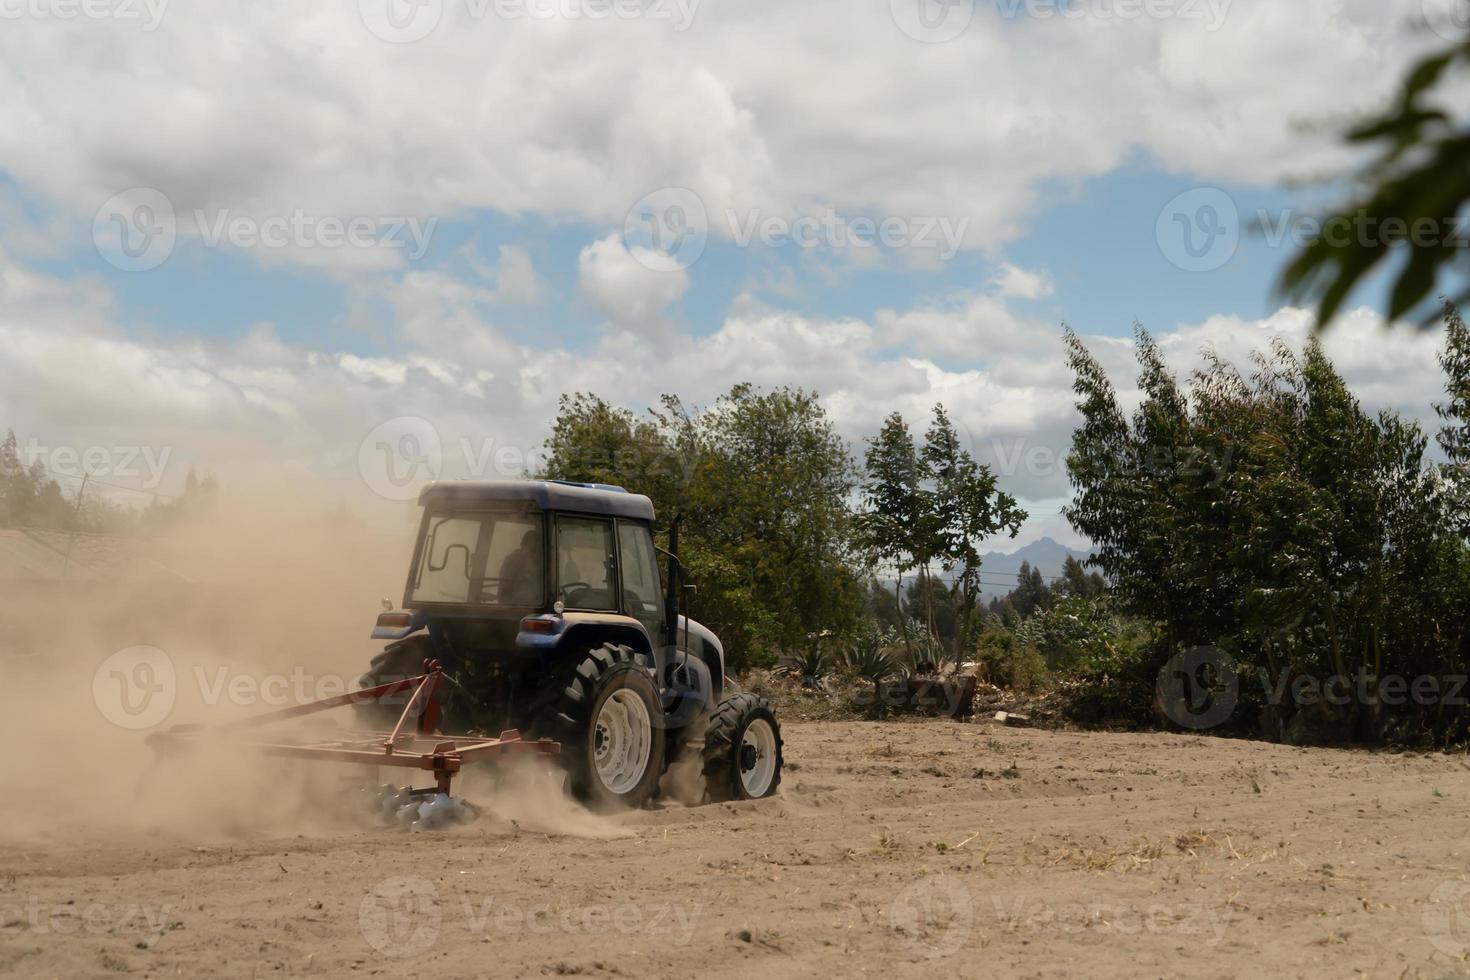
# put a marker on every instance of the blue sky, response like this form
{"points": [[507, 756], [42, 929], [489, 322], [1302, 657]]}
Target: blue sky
{"points": [[1097, 242]]}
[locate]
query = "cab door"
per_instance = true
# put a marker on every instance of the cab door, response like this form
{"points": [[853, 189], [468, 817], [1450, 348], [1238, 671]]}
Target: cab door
{"points": [[642, 595]]}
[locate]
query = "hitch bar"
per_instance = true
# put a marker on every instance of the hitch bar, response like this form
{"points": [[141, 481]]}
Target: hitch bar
{"points": [[423, 747]]}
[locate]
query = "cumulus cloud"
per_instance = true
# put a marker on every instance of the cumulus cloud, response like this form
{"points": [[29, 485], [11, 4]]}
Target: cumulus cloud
{"points": [[272, 108], [630, 285]]}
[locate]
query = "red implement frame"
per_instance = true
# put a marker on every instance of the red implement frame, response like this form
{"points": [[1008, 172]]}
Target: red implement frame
{"points": [[422, 748]]}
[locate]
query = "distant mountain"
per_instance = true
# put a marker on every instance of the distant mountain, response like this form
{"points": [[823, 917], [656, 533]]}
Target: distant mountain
{"points": [[998, 571]]}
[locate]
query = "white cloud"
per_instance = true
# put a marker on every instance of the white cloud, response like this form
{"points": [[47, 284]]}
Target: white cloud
{"points": [[514, 275], [270, 107], [1013, 281], [629, 286]]}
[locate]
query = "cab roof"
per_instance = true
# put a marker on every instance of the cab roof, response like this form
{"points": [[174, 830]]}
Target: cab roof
{"points": [[586, 498]]}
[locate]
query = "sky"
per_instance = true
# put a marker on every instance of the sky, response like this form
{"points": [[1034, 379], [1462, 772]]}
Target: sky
{"points": [[359, 243]]}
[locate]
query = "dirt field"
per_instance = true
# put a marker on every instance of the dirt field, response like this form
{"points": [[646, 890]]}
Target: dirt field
{"points": [[892, 849]]}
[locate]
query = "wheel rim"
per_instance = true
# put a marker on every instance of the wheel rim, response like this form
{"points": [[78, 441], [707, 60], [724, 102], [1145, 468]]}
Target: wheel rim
{"points": [[757, 757], [622, 740]]}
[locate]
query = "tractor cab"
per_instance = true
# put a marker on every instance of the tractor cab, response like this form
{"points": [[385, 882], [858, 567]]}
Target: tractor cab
{"points": [[544, 603]]}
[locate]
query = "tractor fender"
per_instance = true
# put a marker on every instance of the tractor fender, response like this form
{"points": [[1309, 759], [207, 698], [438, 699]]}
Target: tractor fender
{"points": [[688, 690], [578, 632], [704, 645]]}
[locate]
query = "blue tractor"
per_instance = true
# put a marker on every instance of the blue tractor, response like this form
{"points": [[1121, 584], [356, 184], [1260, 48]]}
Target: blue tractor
{"points": [[543, 602]]}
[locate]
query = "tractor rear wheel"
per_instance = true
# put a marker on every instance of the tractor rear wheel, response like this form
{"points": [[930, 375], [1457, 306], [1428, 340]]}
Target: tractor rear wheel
{"points": [[606, 713], [742, 750]]}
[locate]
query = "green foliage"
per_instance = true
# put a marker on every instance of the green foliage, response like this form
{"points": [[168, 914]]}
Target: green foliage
{"points": [[1271, 517], [810, 665], [1070, 631], [933, 504], [763, 483], [1008, 661], [1414, 189], [868, 656]]}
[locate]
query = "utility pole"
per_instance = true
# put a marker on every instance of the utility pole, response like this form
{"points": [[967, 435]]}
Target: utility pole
{"points": [[75, 520]]}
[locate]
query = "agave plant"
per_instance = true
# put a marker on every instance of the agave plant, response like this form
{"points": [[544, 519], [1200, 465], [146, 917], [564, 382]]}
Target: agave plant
{"points": [[869, 659], [929, 654], [811, 666]]}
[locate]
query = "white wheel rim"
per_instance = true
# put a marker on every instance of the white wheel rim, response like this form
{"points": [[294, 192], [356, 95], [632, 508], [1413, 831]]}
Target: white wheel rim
{"points": [[761, 738], [622, 740]]}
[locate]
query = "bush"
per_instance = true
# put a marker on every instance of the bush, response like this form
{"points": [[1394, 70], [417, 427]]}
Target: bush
{"points": [[1008, 662]]}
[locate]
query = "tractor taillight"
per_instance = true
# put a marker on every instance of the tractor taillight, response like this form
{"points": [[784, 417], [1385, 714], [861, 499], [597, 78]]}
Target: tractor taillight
{"points": [[394, 620], [533, 625]]}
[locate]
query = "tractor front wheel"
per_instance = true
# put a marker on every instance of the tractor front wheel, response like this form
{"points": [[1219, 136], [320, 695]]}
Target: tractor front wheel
{"points": [[742, 750], [607, 715]]}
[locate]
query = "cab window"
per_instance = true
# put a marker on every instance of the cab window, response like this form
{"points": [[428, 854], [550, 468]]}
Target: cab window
{"points": [[585, 574], [642, 597]]}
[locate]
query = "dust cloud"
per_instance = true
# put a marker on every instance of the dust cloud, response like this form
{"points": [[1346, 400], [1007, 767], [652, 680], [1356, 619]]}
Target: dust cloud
{"points": [[252, 606]]}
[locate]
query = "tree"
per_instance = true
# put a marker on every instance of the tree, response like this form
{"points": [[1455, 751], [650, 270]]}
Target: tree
{"points": [[1272, 517], [965, 508], [887, 527], [1079, 583], [763, 483]]}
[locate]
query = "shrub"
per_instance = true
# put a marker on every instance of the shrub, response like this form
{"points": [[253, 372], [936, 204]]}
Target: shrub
{"points": [[1008, 662]]}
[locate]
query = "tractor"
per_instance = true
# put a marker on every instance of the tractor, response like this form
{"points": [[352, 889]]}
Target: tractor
{"points": [[542, 604]]}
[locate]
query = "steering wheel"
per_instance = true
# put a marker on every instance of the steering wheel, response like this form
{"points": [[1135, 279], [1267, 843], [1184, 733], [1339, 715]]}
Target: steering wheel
{"points": [[567, 587]]}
